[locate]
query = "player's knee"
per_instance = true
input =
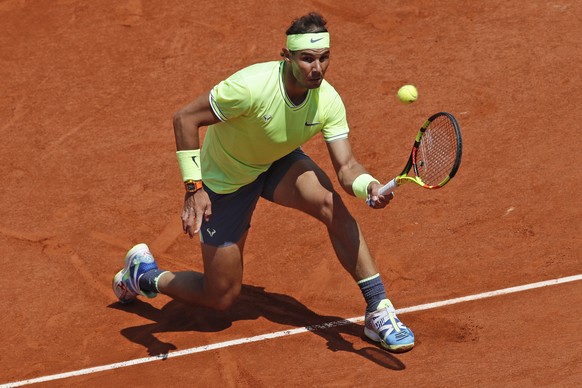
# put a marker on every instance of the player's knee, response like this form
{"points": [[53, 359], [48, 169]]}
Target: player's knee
{"points": [[332, 209], [223, 299], [224, 302], [326, 208]]}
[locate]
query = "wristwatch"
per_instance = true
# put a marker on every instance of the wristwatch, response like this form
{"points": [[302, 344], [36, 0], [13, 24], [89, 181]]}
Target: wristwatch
{"points": [[192, 186]]}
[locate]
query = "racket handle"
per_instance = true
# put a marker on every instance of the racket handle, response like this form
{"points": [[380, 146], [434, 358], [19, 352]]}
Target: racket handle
{"points": [[387, 188]]}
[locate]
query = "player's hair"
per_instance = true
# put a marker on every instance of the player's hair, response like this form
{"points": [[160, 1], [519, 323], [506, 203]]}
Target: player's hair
{"points": [[312, 22]]}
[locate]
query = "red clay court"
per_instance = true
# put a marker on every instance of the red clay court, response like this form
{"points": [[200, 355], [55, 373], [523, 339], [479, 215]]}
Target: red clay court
{"points": [[87, 94]]}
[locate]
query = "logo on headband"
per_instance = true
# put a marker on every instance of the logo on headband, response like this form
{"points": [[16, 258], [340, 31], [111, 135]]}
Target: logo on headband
{"points": [[315, 40]]}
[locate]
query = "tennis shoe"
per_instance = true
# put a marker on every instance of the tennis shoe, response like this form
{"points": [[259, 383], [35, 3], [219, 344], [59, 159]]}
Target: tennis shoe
{"points": [[138, 261], [383, 326]]}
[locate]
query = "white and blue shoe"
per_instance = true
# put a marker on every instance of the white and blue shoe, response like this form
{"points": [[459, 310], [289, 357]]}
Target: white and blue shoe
{"points": [[383, 326], [138, 261]]}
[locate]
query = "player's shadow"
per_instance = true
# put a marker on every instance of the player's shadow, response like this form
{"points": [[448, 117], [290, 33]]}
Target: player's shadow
{"points": [[254, 302]]}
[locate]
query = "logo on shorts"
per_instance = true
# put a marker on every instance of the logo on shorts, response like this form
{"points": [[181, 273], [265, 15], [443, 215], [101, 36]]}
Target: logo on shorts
{"points": [[211, 232]]}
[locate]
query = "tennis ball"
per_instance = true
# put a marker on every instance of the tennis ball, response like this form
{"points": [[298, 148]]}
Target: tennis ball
{"points": [[407, 94]]}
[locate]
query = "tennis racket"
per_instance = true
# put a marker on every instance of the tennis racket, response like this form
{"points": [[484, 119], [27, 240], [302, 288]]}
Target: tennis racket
{"points": [[435, 156]]}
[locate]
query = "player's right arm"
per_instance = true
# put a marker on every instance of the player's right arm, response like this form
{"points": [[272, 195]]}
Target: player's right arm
{"points": [[187, 123], [189, 119]]}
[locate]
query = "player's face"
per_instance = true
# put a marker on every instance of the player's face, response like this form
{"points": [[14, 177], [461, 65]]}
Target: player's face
{"points": [[309, 67]]}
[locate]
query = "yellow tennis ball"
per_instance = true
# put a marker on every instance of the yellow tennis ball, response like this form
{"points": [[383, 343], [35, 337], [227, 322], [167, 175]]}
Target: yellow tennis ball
{"points": [[407, 94]]}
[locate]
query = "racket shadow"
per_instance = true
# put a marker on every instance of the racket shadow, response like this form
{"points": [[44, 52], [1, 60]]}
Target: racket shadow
{"points": [[253, 303]]}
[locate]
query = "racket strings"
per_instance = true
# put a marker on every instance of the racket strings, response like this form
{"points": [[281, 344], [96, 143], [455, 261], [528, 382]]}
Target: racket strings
{"points": [[437, 151]]}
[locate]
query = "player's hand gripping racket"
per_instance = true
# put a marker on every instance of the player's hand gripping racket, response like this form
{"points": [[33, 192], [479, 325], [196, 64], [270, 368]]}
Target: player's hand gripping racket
{"points": [[435, 157]]}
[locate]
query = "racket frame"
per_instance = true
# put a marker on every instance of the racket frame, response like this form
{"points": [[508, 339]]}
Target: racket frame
{"points": [[412, 163]]}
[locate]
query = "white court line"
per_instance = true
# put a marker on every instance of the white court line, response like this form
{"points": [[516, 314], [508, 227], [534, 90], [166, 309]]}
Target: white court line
{"points": [[285, 333]]}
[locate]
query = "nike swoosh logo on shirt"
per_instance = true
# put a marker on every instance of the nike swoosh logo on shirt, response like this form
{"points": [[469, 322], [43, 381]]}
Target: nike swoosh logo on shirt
{"points": [[311, 124]]}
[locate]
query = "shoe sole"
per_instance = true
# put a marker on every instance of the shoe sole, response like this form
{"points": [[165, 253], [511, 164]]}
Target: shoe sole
{"points": [[391, 348]]}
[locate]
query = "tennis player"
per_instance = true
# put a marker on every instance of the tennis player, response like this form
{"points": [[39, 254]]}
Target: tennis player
{"points": [[257, 121]]}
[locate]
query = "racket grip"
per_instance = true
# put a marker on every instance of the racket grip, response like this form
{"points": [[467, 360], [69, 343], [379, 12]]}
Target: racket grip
{"points": [[387, 188]]}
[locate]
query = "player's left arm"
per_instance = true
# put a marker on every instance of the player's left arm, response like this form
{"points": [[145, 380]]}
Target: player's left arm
{"points": [[348, 169]]}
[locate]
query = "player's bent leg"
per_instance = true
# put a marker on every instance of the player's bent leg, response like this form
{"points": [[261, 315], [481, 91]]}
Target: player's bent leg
{"points": [[218, 287], [307, 188], [220, 284], [223, 237]]}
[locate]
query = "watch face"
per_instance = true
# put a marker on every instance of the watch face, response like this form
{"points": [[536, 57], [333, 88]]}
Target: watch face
{"points": [[192, 187]]}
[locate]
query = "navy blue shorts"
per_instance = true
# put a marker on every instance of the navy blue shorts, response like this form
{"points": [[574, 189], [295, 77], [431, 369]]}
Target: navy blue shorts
{"points": [[232, 213]]}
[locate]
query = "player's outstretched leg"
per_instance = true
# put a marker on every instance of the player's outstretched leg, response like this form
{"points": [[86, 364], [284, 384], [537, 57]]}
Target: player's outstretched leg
{"points": [[383, 326], [138, 260]]}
